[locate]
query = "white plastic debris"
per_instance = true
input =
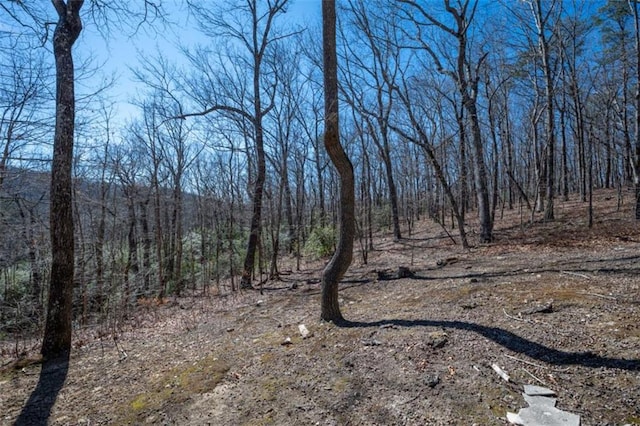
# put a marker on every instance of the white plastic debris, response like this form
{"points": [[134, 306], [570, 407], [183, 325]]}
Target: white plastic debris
{"points": [[304, 331], [500, 372]]}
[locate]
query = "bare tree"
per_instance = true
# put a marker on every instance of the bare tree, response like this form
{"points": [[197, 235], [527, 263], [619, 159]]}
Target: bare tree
{"points": [[371, 78], [635, 161], [57, 334], [256, 38], [341, 260], [543, 21], [422, 122], [466, 76], [24, 102]]}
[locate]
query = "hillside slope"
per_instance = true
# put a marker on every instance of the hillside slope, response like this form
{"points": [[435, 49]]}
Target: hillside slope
{"points": [[553, 304]]}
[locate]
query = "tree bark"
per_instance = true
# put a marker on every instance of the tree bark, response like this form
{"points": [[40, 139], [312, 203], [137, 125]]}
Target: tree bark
{"points": [[341, 260], [636, 150], [256, 216], [146, 245], [541, 22], [57, 334]]}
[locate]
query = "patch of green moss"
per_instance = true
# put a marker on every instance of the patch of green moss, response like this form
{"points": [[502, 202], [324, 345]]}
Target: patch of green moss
{"points": [[498, 410], [263, 421], [176, 387], [139, 403]]}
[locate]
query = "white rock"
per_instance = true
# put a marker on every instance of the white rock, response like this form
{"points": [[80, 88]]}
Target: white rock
{"points": [[304, 331], [539, 400], [500, 372], [287, 342], [538, 391], [547, 416], [514, 419]]}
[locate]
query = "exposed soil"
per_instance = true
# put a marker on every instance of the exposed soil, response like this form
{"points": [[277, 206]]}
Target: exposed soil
{"points": [[554, 304]]}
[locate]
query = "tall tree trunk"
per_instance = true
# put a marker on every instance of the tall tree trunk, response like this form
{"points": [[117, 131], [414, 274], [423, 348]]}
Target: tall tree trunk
{"points": [[146, 245], [177, 226], [464, 173], [393, 192], [36, 268], [565, 154], [288, 207], [98, 245], [275, 230], [132, 242], [629, 168], [480, 170], [636, 151], [541, 22], [468, 86], [158, 234], [341, 260], [256, 216], [258, 50], [321, 184], [57, 333]]}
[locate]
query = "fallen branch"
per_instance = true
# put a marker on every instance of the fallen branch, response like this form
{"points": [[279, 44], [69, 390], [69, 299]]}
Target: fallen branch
{"points": [[512, 317], [533, 364], [534, 377]]}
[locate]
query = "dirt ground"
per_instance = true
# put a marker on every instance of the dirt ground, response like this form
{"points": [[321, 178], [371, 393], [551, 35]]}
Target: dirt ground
{"points": [[554, 304]]}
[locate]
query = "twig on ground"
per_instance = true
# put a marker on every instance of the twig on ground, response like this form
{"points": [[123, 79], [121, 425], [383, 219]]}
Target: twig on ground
{"points": [[587, 277], [533, 364], [512, 317], [409, 400], [534, 377], [604, 296]]}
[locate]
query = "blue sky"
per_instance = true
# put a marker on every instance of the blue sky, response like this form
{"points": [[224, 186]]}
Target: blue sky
{"points": [[120, 52]]}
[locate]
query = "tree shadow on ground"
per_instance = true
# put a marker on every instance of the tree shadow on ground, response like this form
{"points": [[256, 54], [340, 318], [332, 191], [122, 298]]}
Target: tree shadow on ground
{"points": [[512, 342], [38, 407]]}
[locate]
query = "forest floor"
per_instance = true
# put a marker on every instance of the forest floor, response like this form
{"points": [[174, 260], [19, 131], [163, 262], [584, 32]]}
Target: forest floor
{"points": [[555, 304]]}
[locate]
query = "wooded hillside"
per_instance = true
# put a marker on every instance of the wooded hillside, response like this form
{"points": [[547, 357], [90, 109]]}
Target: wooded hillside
{"points": [[553, 304], [456, 112]]}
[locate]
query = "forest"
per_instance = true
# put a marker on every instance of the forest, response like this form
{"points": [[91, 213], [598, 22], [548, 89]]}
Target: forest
{"points": [[449, 110], [464, 116]]}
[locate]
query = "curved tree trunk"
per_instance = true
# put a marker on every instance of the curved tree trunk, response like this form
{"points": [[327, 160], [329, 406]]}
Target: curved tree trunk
{"points": [[341, 260], [57, 334]]}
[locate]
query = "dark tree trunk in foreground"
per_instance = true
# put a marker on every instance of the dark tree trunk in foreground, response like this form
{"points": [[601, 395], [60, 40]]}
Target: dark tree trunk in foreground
{"points": [[57, 333], [636, 155], [339, 263]]}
